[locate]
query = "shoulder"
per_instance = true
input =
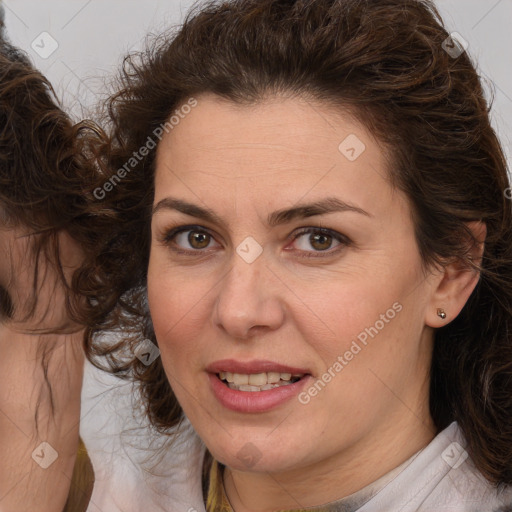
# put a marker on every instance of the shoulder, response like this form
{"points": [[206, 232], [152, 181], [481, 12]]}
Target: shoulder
{"points": [[469, 491], [464, 488], [442, 478]]}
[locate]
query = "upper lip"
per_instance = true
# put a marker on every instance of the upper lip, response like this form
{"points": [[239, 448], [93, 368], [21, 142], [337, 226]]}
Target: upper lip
{"points": [[251, 367]]}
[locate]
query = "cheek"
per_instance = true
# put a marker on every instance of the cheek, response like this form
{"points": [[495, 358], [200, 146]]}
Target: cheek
{"points": [[343, 307], [178, 312], [370, 321]]}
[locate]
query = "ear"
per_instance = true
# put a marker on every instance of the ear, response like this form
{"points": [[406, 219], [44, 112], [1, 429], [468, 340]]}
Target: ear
{"points": [[456, 282]]}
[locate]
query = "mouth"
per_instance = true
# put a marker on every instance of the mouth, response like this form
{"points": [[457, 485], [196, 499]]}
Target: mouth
{"points": [[255, 386], [257, 382]]}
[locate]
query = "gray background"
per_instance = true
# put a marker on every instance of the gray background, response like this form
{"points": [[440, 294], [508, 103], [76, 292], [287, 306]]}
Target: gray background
{"points": [[92, 36]]}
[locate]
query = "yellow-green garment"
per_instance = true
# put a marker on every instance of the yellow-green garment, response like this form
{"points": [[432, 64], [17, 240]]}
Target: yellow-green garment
{"points": [[217, 500], [82, 482]]}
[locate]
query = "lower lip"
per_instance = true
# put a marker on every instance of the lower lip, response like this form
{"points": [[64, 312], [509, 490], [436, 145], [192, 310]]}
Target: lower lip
{"points": [[254, 401]]}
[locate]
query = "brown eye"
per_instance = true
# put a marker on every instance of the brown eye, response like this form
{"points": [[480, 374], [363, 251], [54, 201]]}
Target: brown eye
{"points": [[320, 242], [198, 239], [317, 240], [190, 239]]}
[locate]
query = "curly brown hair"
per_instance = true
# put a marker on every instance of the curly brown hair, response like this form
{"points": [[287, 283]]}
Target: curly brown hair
{"points": [[44, 171], [386, 62]]}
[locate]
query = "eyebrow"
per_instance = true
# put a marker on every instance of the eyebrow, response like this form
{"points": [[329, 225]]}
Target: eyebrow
{"points": [[301, 211]]}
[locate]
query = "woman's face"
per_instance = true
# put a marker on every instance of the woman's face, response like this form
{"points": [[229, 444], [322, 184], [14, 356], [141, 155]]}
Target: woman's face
{"points": [[280, 252]]}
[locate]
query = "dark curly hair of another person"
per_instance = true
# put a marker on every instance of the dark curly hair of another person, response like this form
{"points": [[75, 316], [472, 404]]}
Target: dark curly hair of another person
{"points": [[44, 171]]}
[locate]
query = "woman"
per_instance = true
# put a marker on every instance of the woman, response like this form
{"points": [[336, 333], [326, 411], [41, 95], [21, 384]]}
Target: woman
{"points": [[43, 224], [309, 221]]}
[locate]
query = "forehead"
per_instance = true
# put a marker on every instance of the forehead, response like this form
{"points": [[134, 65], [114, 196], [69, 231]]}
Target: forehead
{"points": [[291, 146]]}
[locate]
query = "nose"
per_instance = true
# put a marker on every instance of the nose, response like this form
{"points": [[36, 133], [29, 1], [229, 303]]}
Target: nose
{"points": [[248, 300]]}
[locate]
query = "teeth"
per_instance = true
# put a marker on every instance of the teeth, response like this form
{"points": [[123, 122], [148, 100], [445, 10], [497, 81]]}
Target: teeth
{"points": [[248, 388], [258, 381], [273, 377], [239, 379]]}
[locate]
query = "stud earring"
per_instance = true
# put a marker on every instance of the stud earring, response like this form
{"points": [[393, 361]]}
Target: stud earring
{"points": [[441, 313]]}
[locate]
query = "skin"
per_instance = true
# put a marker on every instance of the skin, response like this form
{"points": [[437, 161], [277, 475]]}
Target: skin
{"points": [[24, 485], [208, 304]]}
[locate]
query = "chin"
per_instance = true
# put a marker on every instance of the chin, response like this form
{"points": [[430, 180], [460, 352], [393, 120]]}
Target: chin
{"points": [[243, 453]]}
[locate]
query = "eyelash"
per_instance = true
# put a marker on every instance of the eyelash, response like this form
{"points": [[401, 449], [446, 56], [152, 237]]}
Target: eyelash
{"points": [[169, 237]]}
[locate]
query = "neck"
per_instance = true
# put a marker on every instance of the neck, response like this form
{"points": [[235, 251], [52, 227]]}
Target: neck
{"points": [[334, 478]]}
